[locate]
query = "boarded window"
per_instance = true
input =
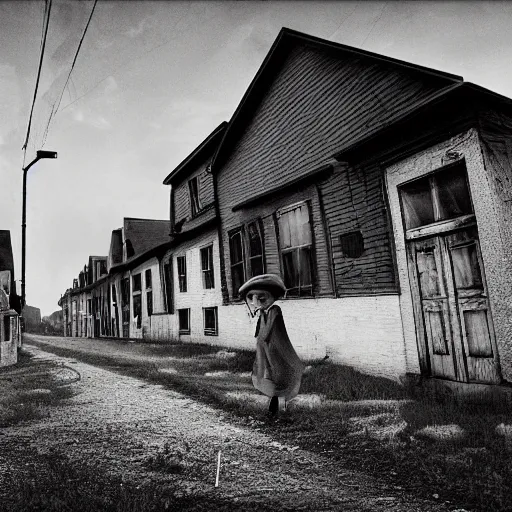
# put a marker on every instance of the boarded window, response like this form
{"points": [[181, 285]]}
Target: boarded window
{"points": [[236, 253], [352, 244], [296, 240], [207, 267], [210, 321], [182, 273], [184, 321], [195, 206], [255, 246], [443, 195], [149, 292], [169, 295]]}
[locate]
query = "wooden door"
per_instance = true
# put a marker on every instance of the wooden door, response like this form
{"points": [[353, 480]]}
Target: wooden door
{"points": [[472, 302], [431, 308], [451, 307]]}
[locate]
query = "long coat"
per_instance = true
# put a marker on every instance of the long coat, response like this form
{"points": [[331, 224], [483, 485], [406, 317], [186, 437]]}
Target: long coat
{"points": [[277, 370]]}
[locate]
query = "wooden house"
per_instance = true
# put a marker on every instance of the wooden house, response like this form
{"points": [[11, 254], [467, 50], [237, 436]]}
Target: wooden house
{"points": [[314, 184], [10, 306], [191, 265]]}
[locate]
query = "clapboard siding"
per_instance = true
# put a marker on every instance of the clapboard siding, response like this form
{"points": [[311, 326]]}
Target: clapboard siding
{"points": [[354, 201], [182, 206], [315, 103], [266, 210]]}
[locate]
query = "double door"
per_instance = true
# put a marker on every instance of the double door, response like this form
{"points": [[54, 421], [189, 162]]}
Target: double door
{"points": [[451, 307]]}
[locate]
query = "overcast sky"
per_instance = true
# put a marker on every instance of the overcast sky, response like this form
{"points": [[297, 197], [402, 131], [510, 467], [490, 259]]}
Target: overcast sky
{"points": [[153, 79]]}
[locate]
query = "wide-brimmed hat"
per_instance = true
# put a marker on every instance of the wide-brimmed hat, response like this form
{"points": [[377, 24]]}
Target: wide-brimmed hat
{"points": [[270, 282]]}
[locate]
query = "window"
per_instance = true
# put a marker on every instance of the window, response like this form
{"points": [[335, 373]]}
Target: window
{"points": [[137, 298], [255, 245], [295, 244], [210, 321], [207, 267], [443, 195], [236, 251], [246, 254], [182, 272], [169, 292], [7, 328], [195, 206], [184, 321], [149, 292]]}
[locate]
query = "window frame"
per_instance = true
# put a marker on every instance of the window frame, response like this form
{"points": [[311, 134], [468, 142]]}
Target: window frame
{"points": [[434, 196], [209, 270], [182, 278], [215, 330], [137, 296], [193, 191], [296, 291], [237, 231], [149, 291], [259, 227], [169, 286], [180, 330]]}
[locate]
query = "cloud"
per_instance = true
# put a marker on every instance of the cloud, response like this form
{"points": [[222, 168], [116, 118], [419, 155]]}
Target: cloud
{"points": [[91, 119]]}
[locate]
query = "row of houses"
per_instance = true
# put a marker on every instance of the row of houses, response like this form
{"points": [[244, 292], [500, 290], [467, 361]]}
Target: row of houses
{"points": [[10, 304], [378, 189]]}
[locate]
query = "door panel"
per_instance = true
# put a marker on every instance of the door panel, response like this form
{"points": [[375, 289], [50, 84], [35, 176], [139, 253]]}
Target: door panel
{"points": [[473, 305], [431, 306]]}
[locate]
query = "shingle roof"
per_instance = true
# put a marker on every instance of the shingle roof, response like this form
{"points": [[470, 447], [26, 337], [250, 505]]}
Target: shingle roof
{"points": [[144, 234]]}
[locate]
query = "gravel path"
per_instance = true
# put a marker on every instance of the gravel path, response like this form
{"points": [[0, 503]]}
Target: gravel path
{"points": [[119, 421]]}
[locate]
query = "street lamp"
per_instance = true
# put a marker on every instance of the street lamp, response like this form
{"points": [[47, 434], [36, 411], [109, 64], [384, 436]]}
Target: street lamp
{"points": [[39, 156]]}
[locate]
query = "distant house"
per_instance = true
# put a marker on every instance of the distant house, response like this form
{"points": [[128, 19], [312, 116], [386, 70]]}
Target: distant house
{"points": [[380, 191], [10, 305], [106, 299], [32, 318]]}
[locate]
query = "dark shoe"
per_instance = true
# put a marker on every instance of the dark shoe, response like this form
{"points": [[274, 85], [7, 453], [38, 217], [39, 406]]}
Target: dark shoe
{"points": [[273, 408]]}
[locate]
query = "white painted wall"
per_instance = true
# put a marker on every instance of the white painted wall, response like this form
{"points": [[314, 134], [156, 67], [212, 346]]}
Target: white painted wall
{"points": [[363, 332]]}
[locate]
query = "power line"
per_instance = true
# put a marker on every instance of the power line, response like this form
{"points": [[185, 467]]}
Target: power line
{"points": [[38, 75], [375, 23], [70, 71]]}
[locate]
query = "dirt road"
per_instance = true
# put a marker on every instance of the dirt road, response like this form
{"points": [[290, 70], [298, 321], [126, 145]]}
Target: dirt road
{"points": [[119, 423]]}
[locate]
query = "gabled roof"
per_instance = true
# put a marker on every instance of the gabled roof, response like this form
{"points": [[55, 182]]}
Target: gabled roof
{"points": [[281, 48], [468, 90], [144, 234], [208, 146], [6, 258]]}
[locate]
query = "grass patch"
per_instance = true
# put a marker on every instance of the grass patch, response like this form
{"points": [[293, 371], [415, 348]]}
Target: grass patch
{"points": [[458, 451]]}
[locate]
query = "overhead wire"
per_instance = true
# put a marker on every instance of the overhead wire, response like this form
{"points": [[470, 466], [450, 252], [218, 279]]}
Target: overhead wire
{"points": [[54, 110], [24, 147], [374, 24]]}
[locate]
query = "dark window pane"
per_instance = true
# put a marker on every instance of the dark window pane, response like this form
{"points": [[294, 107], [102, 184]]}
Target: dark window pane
{"points": [[235, 248], [137, 283], [210, 321], [256, 266], [466, 269], [453, 193], [149, 301], [194, 196], [183, 318], [417, 203], [148, 278], [169, 287], [137, 310], [237, 278], [255, 244], [305, 267], [291, 269], [182, 273], [7, 328]]}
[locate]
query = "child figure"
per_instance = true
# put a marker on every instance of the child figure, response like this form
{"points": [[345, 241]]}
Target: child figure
{"points": [[277, 370]]}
